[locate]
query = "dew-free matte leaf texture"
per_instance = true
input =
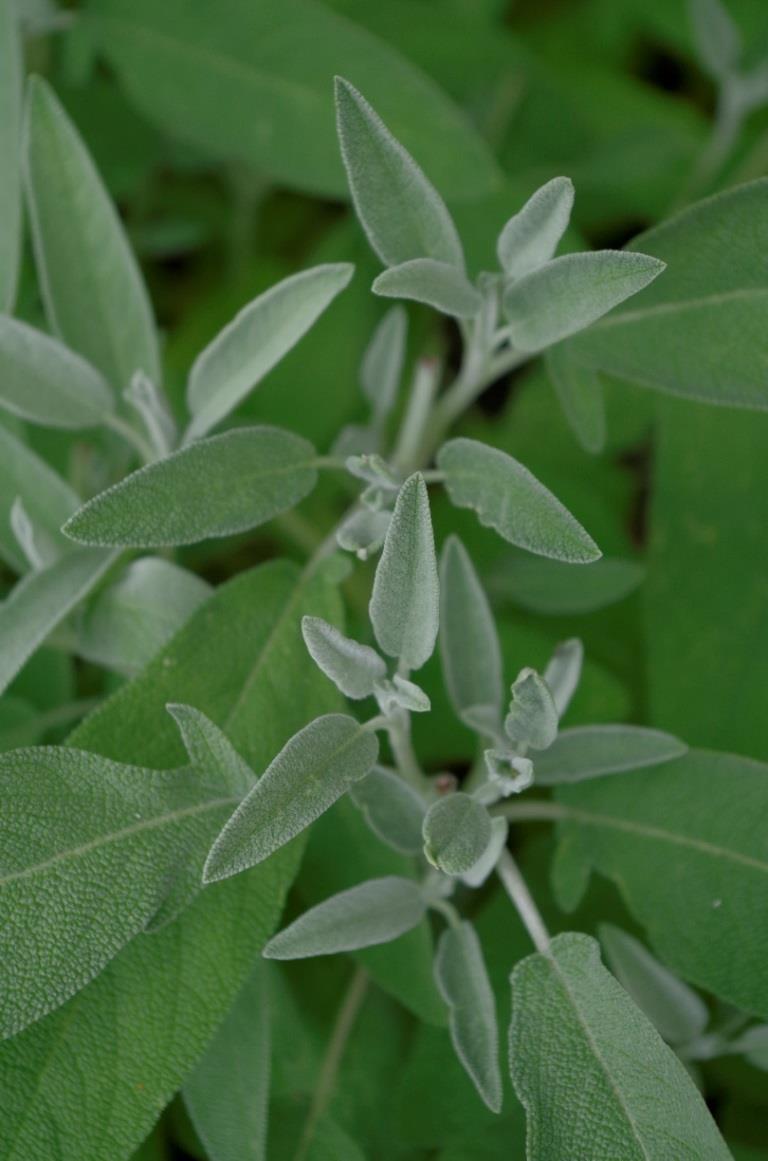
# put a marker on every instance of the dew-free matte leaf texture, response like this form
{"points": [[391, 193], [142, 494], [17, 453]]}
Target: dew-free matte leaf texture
{"points": [[715, 35], [219, 486], [383, 361], [310, 773], [194, 78], [569, 293], [404, 606], [91, 285], [592, 751], [682, 842], [585, 1093], [11, 70], [256, 339], [469, 645], [581, 396], [530, 238], [400, 210], [373, 912], [533, 716], [437, 284], [43, 381], [224, 663], [457, 830], [563, 672], [509, 499], [463, 981], [48, 500], [392, 809], [551, 587], [353, 667]]}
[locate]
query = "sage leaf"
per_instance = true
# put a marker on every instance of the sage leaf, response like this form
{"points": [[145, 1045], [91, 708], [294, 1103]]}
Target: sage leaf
{"points": [[469, 646], [48, 500], [392, 809], [509, 499], [227, 1095], [477, 874], [399, 693], [310, 773], [753, 1045], [354, 668], [456, 831], [438, 284], [373, 912], [531, 237], [256, 339], [11, 73], [94, 296], [401, 212], [553, 588], [150, 403], [580, 392], [463, 981], [404, 606], [216, 487], [210, 751], [582, 1090], [716, 37], [563, 672], [39, 548], [593, 751], [363, 532], [532, 718], [383, 361], [41, 600], [674, 1009]]}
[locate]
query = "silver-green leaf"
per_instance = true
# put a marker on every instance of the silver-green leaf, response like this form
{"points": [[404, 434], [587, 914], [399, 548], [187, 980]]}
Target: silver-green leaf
{"points": [[563, 672], [580, 392], [438, 284], [532, 718], [469, 645], [354, 668], [457, 830], [531, 237], [716, 37], [382, 365], [392, 809], [593, 751], [48, 500]]}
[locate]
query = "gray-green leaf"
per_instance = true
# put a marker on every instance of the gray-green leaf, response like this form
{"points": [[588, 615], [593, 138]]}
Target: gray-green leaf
{"points": [[11, 72], [392, 809], [532, 718], [716, 37], [469, 645], [354, 668], [580, 392], [382, 365], [215, 487], [477, 874], [438, 284], [592, 751], [256, 339], [371, 913], [47, 499], [457, 831], [508, 498], [463, 982], [400, 210], [404, 606], [310, 773], [563, 672], [549, 586], [530, 238]]}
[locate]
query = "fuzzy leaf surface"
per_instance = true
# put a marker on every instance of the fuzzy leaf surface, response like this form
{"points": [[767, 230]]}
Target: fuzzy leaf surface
{"points": [[469, 645], [530, 238], [352, 667], [457, 830], [392, 809], [48, 500], [438, 284], [593, 751]]}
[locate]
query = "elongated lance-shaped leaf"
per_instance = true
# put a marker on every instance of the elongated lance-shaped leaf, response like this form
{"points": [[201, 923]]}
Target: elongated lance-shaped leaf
{"points": [[216, 487], [400, 210], [563, 672], [374, 912], [463, 981], [469, 645], [352, 667], [580, 392], [593, 751], [532, 717], [509, 499], [567, 294], [38, 546], [530, 238], [310, 773], [438, 284], [41, 601], [553, 587], [392, 809], [256, 339], [91, 285], [457, 830], [48, 500], [584, 1093], [716, 37], [91, 846], [382, 365], [673, 1008], [11, 72], [405, 603]]}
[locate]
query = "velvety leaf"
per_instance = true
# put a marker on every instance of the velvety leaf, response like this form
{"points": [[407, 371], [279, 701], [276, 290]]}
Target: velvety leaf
{"points": [[469, 645], [593, 751], [353, 667], [486, 864], [581, 396], [457, 831], [438, 284], [151, 404], [47, 499], [507, 498], [11, 72], [215, 487], [563, 672], [210, 751], [531, 237], [383, 361], [392, 809], [532, 718], [552, 587]]}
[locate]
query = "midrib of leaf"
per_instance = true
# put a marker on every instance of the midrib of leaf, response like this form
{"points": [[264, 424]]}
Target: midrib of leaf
{"points": [[671, 308]]}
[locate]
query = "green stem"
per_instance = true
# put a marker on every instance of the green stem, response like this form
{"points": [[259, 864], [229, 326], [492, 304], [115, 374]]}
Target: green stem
{"points": [[404, 753], [537, 810], [517, 889]]}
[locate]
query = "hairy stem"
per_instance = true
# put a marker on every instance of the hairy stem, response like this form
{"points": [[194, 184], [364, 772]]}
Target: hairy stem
{"points": [[517, 889]]}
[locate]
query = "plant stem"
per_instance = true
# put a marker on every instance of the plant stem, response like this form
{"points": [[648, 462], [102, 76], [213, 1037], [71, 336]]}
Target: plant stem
{"points": [[537, 810], [326, 1081], [404, 753], [517, 889], [406, 455]]}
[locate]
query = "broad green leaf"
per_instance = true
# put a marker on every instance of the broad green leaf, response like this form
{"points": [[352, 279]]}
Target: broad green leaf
{"points": [[469, 645], [585, 1093], [404, 606], [682, 842], [310, 773], [91, 285], [673, 1008], [438, 284], [581, 396], [277, 60], [716, 37], [216, 487], [11, 72], [392, 809], [531, 237], [509, 499], [551, 587], [463, 981], [210, 751], [129, 621], [89, 846], [532, 717], [457, 831], [374, 912], [223, 662], [383, 361], [47, 499], [592, 751], [353, 667], [400, 210], [41, 600], [256, 339], [227, 1095], [567, 294], [563, 672]]}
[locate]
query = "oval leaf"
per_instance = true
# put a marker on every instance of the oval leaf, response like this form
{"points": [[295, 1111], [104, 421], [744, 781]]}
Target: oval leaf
{"points": [[469, 645], [457, 830], [592, 751], [531, 237], [435, 283], [392, 809], [354, 668]]}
